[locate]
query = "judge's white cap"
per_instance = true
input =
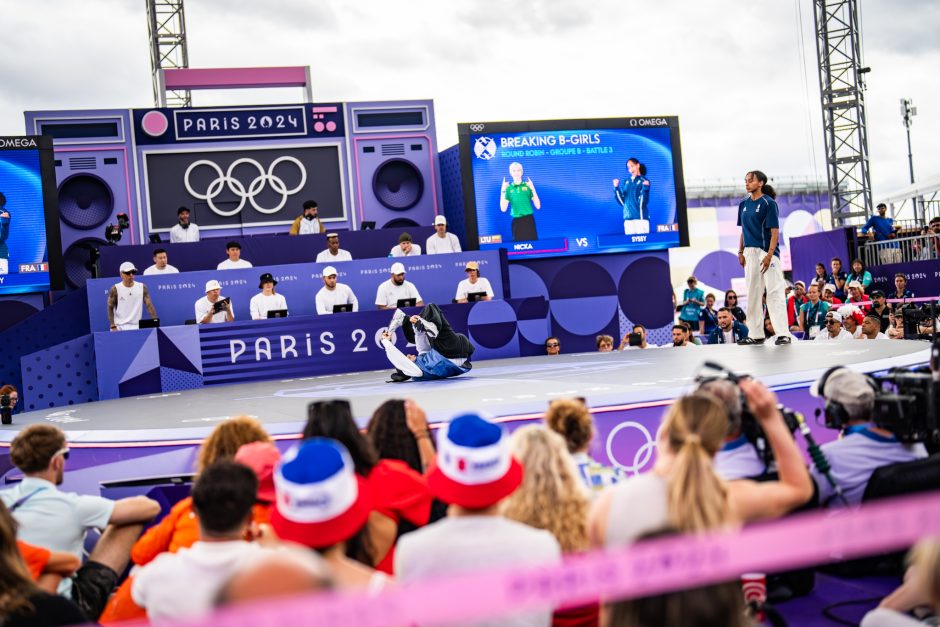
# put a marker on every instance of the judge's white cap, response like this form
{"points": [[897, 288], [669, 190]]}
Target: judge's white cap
{"points": [[397, 268], [127, 266], [440, 220], [329, 271], [212, 284]]}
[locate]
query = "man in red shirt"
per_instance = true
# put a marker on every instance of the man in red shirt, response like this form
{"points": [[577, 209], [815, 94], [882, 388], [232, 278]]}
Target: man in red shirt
{"points": [[794, 302]]}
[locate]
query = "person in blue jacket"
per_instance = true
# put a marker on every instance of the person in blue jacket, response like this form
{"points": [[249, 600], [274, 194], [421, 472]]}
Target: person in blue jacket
{"points": [[633, 194], [729, 330], [4, 234]]}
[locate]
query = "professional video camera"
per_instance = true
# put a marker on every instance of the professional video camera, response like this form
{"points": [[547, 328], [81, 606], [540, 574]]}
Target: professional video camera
{"points": [[6, 409], [750, 427], [113, 232], [907, 402]]}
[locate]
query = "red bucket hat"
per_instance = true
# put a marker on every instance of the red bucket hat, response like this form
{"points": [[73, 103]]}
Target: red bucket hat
{"points": [[475, 467], [261, 457], [321, 501]]}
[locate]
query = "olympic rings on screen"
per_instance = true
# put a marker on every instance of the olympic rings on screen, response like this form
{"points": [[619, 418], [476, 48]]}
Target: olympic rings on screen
{"points": [[257, 184], [642, 455]]}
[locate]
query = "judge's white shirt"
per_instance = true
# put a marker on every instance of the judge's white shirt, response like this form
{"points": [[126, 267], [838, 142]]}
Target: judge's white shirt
{"points": [[326, 256], [180, 235], [309, 226], [389, 294], [260, 305], [228, 264], [340, 295], [437, 245], [130, 305], [465, 287], [167, 269], [398, 252], [203, 306]]}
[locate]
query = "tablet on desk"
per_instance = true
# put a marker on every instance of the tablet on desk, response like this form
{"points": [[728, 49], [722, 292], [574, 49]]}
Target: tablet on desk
{"points": [[277, 313], [342, 308], [473, 297], [407, 302], [148, 323]]}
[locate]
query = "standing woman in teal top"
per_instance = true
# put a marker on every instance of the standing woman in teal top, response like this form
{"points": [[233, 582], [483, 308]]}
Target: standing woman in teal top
{"points": [[4, 234], [522, 200]]}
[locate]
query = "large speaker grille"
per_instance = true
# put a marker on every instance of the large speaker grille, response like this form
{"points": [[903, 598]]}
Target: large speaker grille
{"points": [[77, 258], [398, 184], [85, 201]]}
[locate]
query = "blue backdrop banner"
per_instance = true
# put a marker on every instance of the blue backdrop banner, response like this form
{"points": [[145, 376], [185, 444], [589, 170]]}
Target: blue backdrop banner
{"points": [[174, 295]]}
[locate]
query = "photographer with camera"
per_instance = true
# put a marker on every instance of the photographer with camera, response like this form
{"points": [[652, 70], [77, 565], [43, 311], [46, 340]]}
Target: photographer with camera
{"points": [[863, 447], [738, 457], [212, 307], [8, 399], [635, 339]]}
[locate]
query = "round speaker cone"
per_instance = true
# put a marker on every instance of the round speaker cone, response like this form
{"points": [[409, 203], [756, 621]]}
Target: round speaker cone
{"points": [[77, 259], [85, 201], [398, 184], [399, 223]]}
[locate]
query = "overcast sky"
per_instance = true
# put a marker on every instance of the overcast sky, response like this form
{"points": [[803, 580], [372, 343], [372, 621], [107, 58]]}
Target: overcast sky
{"points": [[740, 74]]}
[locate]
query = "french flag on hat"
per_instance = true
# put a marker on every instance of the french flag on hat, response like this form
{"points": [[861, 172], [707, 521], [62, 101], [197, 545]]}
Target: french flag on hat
{"points": [[475, 467], [321, 501]]}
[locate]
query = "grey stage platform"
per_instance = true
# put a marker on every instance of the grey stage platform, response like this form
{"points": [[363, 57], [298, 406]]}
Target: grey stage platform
{"points": [[499, 388]]}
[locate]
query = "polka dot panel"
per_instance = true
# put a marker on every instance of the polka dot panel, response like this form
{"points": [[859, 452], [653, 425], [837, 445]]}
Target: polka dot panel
{"points": [[61, 375]]}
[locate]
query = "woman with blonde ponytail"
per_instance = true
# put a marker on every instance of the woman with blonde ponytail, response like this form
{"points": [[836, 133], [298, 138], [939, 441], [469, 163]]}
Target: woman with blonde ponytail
{"points": [[683, 491]]}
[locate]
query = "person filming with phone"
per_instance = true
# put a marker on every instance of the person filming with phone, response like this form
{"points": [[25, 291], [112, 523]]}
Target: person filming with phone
{"points": [[212, 307]]}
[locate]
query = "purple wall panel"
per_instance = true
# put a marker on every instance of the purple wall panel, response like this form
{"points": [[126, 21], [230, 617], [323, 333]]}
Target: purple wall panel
{"points": [[61, 375], [809, 250]]}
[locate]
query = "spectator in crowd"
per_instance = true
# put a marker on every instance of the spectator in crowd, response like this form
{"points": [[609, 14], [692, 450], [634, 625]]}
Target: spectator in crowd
{"points": [[10, 390], [212, 307], [896, 329], [863, 447], [837, 277], [829, 295], [857, 296], [834, 331], [693, 339], [860, 274], [821, 273], [707, 606], [4, 235], [551, 497], [398, 430], [405, 247], [932, 247], [921, 589], [883, 229], [639, 332], [337, 522], [240, 438], [881, 309], [794, 303], [399, 495], [473, 284], [693, 299], [160, 265], [813, 314], [274, 575], [396, 289], [333, 293], [738, 457], [442, 241], [45, 567], [729, 330], [768, 327], [852, 318], [475, 535], [731, 303], [333, 252], [708, 318], [871, 327], [309, 221], [22, 602], [605, 343], [184, 230], [683, 489], [571, 419], [234, 261], [681, 336], [267, 300], [58, 521], [184, 584], [552, 345], [127, 299], [900, 290]]}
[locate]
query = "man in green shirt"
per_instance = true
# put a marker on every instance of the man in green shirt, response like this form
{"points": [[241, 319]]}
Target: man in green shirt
{"points": [[521, 199]]}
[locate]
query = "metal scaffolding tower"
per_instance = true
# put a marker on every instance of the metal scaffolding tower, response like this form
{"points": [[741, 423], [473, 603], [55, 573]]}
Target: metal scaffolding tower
{"points": [[167, 49], [842, 86]]}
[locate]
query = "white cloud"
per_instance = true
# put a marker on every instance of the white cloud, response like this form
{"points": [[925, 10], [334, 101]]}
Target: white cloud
{"points": [[730, 70]]}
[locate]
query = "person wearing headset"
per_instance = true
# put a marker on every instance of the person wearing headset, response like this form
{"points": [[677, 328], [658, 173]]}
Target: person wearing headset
{"points": [[862, 447]]}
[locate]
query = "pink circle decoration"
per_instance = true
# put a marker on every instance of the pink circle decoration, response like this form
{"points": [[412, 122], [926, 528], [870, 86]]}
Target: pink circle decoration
{"points": [[154, 123], [318, 127], [331, 126]]}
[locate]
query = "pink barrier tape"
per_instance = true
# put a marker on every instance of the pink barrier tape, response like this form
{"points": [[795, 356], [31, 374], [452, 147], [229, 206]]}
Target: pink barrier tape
{"points": [[639, 570]]}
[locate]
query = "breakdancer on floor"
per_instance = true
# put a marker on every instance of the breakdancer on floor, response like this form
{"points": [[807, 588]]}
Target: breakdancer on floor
{"points": [[442, 353]]}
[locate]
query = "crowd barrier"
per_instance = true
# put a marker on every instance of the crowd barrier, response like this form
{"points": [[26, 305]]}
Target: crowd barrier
{"points": [[640, 570]]}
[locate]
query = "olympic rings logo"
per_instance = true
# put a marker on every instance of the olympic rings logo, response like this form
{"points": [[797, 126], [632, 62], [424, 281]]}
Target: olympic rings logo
{"points": [[641, 457], [224, 179]]}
